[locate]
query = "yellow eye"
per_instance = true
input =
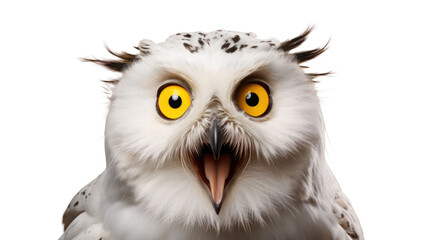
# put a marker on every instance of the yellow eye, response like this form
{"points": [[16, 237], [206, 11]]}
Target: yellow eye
{"points": [[173, 101], [253, 99]]}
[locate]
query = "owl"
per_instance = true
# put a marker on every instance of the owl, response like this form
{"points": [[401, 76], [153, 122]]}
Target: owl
{"points": [[215, 135]]}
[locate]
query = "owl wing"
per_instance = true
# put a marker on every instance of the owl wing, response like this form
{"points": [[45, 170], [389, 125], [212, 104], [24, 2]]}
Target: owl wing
{"points": [[346, 217], [78, 220]]}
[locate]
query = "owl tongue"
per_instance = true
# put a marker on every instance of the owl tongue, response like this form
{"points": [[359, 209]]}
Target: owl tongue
{"points": [[217, 171]]}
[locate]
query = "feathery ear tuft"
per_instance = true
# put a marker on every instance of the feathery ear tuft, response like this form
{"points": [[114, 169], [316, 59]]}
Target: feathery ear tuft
{"points": [[117, 65], [304, 56], [125, 59], [312, 76], [295, 42], [310, 54]]}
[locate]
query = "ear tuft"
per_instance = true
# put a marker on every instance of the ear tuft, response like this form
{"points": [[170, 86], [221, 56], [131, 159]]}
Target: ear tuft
{"points": [[304, 56], [117, 65], [288, 45], [310, 54], [313, 76]]}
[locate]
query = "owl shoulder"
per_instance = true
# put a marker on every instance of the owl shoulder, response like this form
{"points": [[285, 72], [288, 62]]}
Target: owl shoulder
{"points": [[78, 219], [346, 216]]}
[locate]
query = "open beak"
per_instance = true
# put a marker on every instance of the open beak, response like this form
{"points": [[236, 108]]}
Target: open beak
{"points": [[217, 163]]}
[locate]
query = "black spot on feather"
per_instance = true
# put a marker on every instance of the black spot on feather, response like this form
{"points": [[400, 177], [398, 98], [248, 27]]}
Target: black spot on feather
{"points": [[236, 38], [201, 42], [190, 48], [225, 45], [231, 49]]}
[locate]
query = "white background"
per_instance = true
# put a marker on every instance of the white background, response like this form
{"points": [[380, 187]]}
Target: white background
{"points": [[52, 105]]}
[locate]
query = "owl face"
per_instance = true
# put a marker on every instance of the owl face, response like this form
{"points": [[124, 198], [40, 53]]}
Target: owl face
{"points": [[213, 128]]}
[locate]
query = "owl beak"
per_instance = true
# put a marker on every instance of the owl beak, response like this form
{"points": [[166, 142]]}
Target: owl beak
{"points": [[216, 165], [216, 138]]}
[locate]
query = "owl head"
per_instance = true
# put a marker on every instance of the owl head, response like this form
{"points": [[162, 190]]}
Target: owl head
{"points": [[213, 128]]}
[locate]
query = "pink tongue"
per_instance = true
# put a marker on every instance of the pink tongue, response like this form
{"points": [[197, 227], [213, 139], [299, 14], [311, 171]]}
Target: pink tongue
{"points": [[217, 172]]}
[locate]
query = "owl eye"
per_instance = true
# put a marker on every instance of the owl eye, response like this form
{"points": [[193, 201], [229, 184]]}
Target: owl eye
{"points": [[254, 99], [173, 101]]}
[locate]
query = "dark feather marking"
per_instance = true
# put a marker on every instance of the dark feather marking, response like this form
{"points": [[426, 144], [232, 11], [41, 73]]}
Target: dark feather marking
{"points": [[190, 48], [225, 45], [69, 216], [243, 46], [201, 42], [113, 81], [231, 49], [236, 38]]}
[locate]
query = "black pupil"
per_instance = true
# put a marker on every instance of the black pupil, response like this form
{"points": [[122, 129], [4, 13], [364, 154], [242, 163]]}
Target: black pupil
{"points": [[252, 99], [175, 101]]}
